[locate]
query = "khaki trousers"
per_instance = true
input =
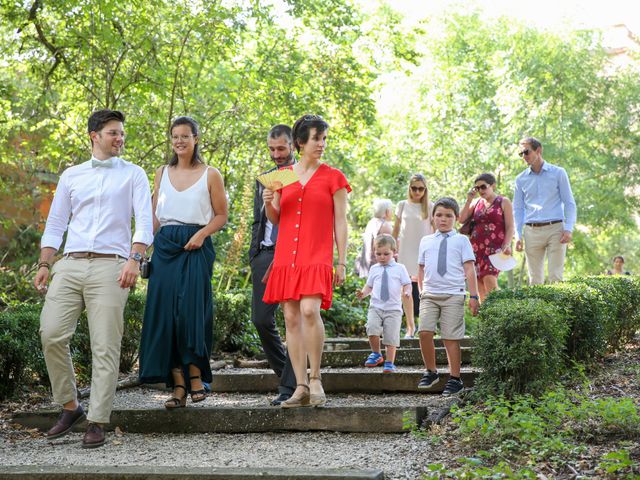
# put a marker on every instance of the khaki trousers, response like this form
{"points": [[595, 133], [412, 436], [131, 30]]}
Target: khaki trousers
{"points": [[76, 284], [539, 241]]}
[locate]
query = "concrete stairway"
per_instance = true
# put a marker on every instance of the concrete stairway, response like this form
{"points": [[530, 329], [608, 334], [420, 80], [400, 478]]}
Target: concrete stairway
{"points": [[360, 400]]}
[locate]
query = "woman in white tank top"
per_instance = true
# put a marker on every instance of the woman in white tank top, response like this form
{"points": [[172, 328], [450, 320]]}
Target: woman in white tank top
{"points": [[189, 205], [413, 221]]}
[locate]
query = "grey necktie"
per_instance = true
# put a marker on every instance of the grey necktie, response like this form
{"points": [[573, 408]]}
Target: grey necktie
{"points": [[102, 163], [384, 286], [274, 233], [442, 256]]}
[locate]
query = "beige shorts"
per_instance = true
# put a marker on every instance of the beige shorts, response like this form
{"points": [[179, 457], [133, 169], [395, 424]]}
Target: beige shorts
{"points": [[448, 310], [384, 323]]}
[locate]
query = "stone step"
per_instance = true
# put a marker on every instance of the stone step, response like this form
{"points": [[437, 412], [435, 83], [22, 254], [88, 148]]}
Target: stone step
{"points": [[404, 356], [129, 472], [342, 418], [343, 343], [348, 380]]}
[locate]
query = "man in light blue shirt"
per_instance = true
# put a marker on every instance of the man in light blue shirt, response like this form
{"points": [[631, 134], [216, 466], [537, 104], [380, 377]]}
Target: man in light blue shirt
{"points": [[544, 212]]}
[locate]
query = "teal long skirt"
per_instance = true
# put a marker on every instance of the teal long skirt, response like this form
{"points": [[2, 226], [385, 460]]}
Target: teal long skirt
{"points": [[178, 318]]}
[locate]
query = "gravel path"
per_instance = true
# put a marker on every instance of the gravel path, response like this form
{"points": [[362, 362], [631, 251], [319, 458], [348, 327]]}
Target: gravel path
{"points": [[400, 456]]}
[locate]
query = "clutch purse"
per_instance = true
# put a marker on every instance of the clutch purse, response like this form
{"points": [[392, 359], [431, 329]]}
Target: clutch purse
{"points": [[145, 268]]}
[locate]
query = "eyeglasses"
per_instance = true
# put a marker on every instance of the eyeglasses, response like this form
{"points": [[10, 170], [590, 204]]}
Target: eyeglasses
{"points": [[184, 138], [477, 188], [417, 189], [114, 133], [524, 152]]}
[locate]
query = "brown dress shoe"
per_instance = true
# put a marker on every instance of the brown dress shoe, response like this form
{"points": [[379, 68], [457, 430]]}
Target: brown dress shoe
{"points": [[66, 421], [94, 436]]}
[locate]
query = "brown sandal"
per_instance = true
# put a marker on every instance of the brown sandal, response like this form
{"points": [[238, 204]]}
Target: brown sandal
{"points": [[197, 395], [175, 402]]}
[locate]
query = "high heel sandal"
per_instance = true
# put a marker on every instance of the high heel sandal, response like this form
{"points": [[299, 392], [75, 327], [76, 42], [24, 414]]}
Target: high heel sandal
{"points": [[295, 402], [317, 399], [177, 402], [197, 395]]}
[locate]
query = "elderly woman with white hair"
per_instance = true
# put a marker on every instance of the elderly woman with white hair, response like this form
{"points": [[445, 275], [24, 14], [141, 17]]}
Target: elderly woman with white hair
{"points": [[379, 224]]}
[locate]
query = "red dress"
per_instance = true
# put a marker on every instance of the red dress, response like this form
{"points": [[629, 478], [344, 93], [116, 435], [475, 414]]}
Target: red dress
{"points": [[303, 260], [488, 235]]}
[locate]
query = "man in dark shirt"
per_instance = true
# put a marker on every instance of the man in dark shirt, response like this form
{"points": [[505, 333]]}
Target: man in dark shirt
{"points": [[261, 251]]}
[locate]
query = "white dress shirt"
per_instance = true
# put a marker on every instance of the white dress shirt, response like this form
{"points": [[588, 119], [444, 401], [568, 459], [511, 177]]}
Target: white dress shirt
{"points": [[398, 278], [96, 204], [459, 251]]}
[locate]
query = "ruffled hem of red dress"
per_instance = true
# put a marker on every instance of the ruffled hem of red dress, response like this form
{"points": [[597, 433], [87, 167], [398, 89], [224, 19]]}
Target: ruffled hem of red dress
{"points": [[292, 283]]}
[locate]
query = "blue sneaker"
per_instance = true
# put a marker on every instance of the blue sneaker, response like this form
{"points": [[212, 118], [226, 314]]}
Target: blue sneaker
{"points": [[374, 360], [389, 367]]}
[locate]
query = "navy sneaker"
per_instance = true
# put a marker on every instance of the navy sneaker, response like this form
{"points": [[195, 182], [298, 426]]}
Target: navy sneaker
{"points": [[389, 367], [374, 360], [453, 386], [428, 380]]}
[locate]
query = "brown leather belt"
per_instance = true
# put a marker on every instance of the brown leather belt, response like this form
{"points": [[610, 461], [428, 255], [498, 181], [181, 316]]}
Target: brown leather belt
{"points": [[92, 255], [543, 224]]}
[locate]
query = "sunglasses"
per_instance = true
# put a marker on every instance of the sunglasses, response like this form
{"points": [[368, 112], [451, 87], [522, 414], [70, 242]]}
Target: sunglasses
{"points": [[417, 189], [480, 187], [524, 152]]}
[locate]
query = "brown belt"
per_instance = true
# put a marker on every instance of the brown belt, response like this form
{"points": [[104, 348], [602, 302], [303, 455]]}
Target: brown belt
{"points": [[543, 224], [92, 255]]}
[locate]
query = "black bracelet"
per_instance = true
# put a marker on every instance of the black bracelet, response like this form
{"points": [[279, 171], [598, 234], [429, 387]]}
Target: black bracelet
{"points": [[44, 264], [474, 296]]}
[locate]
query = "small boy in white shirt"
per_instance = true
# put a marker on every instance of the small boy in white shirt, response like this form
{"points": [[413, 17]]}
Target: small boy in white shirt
{"points": [[445, 260], [390, 286]]}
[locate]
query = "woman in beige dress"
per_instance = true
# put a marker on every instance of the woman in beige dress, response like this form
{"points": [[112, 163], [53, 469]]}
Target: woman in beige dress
{"points": [[413, 221]]}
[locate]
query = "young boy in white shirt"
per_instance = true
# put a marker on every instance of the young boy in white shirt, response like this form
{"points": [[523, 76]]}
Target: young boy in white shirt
{"points": [[445, 260], [390, 286]]}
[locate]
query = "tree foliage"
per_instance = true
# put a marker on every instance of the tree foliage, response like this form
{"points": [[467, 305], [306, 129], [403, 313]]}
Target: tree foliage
{"points": [[450, 98]]}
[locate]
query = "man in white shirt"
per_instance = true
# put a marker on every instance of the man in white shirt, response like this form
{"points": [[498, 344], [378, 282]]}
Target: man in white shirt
{"points": [[94, 202]]}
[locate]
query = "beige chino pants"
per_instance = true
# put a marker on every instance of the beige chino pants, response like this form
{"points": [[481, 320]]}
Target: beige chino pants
{"points": [[539, 241], [91, 284]]}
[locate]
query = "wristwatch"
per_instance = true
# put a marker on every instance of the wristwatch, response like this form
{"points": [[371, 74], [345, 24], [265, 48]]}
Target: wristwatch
{"points": [[136, 256]]}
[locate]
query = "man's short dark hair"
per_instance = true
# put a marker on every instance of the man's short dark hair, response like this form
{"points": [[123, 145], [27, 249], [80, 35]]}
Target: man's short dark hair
{"points": [[533, 141], [446, 202], [98, 119], [303, 126], [281, 130]]}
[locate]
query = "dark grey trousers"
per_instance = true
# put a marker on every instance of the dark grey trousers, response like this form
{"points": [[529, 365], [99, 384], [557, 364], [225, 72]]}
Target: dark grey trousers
{"points": [[263, 317]]}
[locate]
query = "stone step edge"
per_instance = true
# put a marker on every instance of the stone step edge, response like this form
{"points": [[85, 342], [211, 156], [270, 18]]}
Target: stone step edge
{"points": [[372, 380], [359, 419], [91, 472]]}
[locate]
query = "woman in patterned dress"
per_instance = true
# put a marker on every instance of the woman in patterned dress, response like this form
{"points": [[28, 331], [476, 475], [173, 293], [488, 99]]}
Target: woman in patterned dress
{"points": [[493, 229], [310, 214]]}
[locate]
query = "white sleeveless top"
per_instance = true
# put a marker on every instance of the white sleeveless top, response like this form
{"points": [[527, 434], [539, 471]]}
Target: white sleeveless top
{"points": [[191, 206]]}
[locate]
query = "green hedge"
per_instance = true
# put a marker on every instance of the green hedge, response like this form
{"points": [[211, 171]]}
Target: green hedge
{"points": [[526, 337], [622, 294], [519, 346], [584, 309]]}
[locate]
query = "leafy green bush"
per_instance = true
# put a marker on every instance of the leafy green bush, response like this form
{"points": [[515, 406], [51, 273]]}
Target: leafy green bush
{"points": [[16, 286], [584, 308], [622, 294], [21, 359], [548, 428], [233, 329], [519, 346]]}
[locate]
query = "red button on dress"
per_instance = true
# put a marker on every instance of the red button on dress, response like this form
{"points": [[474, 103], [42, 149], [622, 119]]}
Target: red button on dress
{"points": [[303, 260]]}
